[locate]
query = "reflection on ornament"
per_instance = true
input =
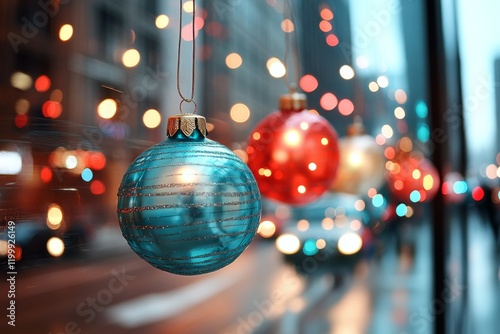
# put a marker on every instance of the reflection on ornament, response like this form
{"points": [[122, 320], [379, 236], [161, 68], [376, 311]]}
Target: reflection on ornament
{"points": [[293, 153], [188, 205], [411, 177], [361, 162]]}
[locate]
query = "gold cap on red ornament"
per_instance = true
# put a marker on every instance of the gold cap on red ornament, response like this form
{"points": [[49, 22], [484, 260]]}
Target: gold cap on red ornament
{"points": [[293, 102]]}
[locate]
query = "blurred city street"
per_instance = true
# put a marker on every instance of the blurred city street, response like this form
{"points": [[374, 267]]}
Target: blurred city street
{"points": [[110, 290], [249, 167]]}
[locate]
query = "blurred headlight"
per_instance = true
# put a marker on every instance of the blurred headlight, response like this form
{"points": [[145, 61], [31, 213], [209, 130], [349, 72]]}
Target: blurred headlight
{"points": [[288, 244], [350, 243], [266, 229], [55, 247]]}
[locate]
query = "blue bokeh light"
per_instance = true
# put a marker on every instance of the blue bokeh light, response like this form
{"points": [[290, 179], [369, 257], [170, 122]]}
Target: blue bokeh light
{"points": [[87, 175]]}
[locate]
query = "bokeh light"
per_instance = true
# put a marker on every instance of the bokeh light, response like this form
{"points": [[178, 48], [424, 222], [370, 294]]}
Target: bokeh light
{"points": [[276, 68], [66, 32], [162, 21], [131, 58], [107, 108], [350, 243], [383, 81], [21, 81], [346, 72], [151, 118], [328, 101], [287, 25], [97, 187], [346, 107], [55, 246], [233, 60], [308, 83], [288, 244], [42, 84], [239, 113], [325, 26], [326, 14], [332, 40]]}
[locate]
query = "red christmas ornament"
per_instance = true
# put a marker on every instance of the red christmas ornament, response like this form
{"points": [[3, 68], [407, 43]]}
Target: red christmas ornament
{"points": [[412, 178], [293, 153]]}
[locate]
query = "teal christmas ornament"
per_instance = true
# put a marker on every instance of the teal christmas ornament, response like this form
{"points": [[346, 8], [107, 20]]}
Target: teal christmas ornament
{"points": [[188, 205]]}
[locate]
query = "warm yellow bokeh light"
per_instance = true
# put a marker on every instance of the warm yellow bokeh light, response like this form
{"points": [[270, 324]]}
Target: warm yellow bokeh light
{"points": [[312, 166], [387, 131], [428, 182], [21, 80], [301, 189], [107, 108], [54, 217], [188, 6], [55, 247], [266, 229], [162, 21], [151, 118], [276, 68], [320, 243], [240, 113], [292, 138], [383, 81], [131, 58], [233, 60], [288, 244], [355, 159], [346, 72], [66, 32], [373, 86], [416, 174], [350, 243], [399, 113]]}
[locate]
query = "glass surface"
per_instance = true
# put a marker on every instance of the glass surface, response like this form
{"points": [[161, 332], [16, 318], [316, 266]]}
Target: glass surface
{"points": [[188, 206]]}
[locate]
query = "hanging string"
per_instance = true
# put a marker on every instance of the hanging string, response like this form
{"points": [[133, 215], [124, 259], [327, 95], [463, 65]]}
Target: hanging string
{"points": [[291, 48], [193, 60]]}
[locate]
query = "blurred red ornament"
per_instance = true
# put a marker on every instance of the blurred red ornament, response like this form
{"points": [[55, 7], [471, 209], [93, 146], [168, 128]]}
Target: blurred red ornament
{"points": [[412, 178], [293, 153], [361, 162]]}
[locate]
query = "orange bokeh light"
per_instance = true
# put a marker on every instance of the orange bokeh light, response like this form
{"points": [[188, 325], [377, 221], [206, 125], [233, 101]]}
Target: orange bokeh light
{"points": [[42, 83], [332, 40], [51, 109], [326, 14], [46, 174], [97, 187], [325, 26], [21, 121]]}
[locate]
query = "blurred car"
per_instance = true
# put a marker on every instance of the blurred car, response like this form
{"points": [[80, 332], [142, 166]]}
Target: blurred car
{"points": [[332, 233], [53, 228]]}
